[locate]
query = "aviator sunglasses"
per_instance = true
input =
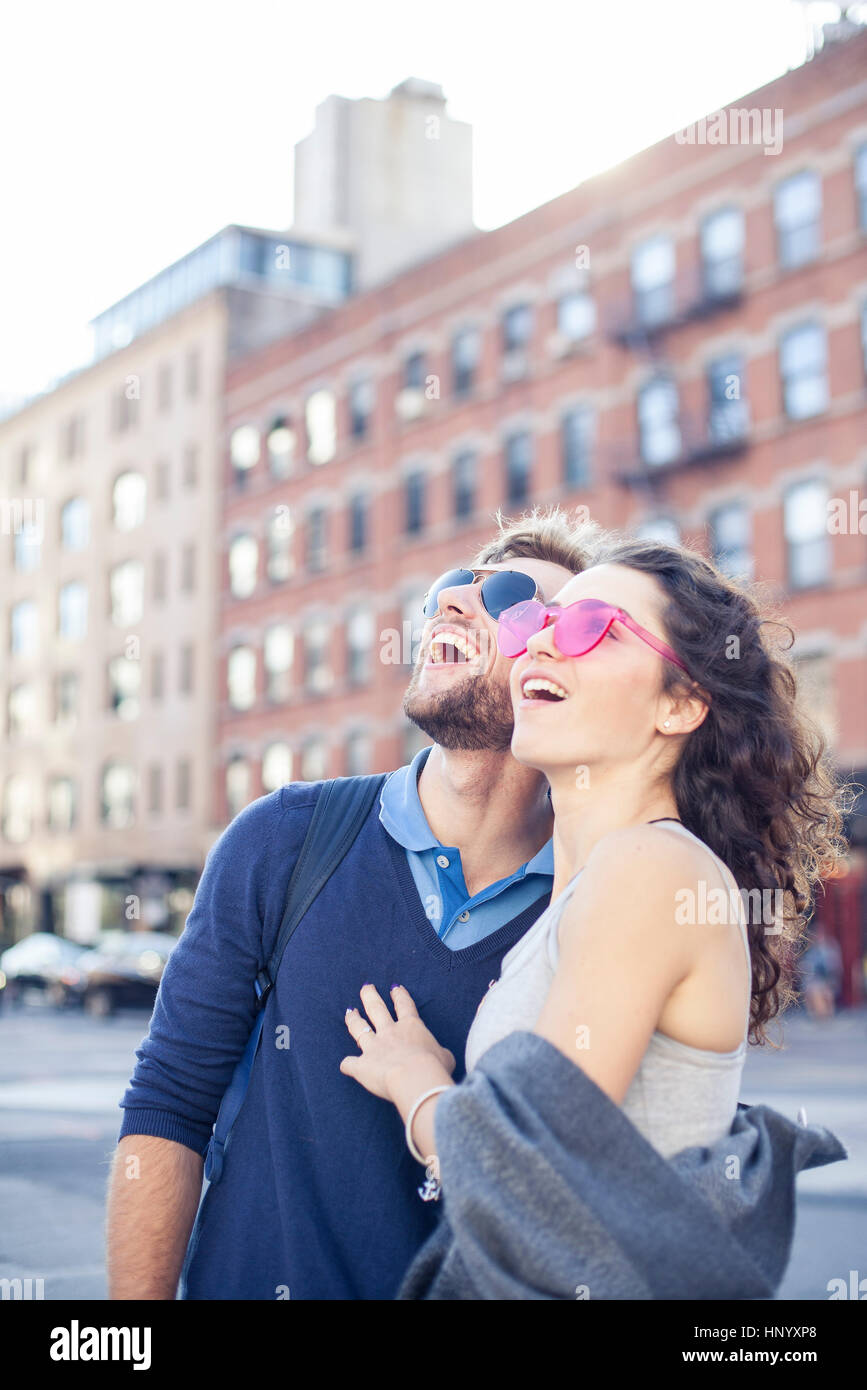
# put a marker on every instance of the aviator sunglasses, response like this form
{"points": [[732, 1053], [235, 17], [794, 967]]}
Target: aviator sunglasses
{"points": [[578, 628], [501, 589]]}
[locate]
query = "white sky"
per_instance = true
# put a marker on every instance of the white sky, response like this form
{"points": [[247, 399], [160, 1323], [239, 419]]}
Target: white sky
{"points": [[131, 132]]}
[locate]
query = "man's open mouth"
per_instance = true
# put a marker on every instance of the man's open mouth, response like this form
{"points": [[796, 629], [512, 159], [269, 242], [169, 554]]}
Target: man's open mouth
{"points": [[450, 647]]}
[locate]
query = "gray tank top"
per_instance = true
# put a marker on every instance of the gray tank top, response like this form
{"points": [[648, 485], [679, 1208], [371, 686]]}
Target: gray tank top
{"points": [[680, 1096]]}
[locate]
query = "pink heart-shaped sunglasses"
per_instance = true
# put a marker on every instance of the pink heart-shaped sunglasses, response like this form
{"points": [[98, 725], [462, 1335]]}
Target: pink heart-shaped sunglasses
{"points": [[578, 628]]}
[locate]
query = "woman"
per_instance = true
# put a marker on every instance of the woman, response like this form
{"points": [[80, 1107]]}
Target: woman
{"points": [[690, 795]]}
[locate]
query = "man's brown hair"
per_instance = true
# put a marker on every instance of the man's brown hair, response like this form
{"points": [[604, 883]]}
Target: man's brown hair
{"points": [[545, 533]]}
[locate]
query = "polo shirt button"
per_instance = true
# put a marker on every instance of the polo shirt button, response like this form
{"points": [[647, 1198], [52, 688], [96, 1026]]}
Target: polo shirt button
{"points": [[464, 917], [442, 861]]}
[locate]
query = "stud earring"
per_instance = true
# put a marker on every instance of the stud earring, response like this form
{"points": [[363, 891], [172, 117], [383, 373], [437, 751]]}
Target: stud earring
{"points": [[666, 723]]}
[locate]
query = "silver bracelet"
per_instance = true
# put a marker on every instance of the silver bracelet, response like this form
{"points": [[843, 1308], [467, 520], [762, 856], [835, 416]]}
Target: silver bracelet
{"points": [[434, 1091]]}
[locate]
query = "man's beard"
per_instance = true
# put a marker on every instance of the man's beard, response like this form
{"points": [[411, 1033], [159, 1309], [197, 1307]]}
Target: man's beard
{"points": [[473, 714]]}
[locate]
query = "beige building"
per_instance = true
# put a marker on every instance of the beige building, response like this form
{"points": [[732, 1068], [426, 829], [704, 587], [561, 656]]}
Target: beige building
{"points": [[109, 493]]}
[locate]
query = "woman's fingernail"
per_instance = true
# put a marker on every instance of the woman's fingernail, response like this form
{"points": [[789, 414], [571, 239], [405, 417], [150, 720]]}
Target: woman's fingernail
{"points": [[349, 1011], [393, 988], [366, 983]]}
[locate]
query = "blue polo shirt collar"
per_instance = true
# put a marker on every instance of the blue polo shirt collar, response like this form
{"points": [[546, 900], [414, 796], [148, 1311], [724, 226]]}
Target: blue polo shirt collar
{"points": [[402, 815]]}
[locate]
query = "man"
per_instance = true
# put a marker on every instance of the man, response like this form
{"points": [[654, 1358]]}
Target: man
{"points": [[319, 1195]]}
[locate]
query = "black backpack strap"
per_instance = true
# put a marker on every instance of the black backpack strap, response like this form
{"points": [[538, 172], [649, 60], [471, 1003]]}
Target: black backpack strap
{"points": [[341, 809]]}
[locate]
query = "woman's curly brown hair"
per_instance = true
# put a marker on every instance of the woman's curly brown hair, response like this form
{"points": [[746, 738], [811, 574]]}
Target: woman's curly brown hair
{"points": [[754, 780]]}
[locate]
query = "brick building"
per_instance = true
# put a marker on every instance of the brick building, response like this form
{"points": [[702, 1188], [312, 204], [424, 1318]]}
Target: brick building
{"points": [[678, 345]]}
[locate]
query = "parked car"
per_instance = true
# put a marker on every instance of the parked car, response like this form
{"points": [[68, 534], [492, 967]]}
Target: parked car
{"points": [[123, 969], [40, 961]]}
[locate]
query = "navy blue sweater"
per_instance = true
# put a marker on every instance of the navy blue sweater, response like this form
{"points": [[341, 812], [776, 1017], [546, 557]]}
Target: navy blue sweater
{"points": [[318, 1197]]}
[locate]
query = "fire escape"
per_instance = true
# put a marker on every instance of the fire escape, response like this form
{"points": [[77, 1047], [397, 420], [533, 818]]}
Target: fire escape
{"points": [[666, 439]]}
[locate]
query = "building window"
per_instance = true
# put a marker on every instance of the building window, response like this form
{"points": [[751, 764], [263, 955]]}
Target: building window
{"points": [[75, 524], [317, 667], [279, 648], [414, 372], [242, 678], [414, 503], [727, 404], [66, 688], [17, 809], [117, 804], [578, 429], [316, 539], [162, 473], [243, 566], [62, 807], [464, 483], [164, 388], [126, 588], [659, 528], [357, 523], [72, 611], [72, 437], [158, 675], [160, 570], [320, 416], [191, 466], [658, 426], [517, 327], [238, 784], [798, 218], [183, 781], [187, 657], [803, 369], [361, 397], [280, 445], [155, 789], [21, 710], [466, 351], [24, 628], [652, 274], [730, 529], [279, 563], [576, 316], [124, 683], [27, 546], [409, 403], [519, 459], [358, 754], [816, 687], [276, 766], [128, 501], [192, 372], [722, 253], [808, 541], [861, 185], [359, 640], [244, 449], [313, 760], [188, 568], [123, 411]]}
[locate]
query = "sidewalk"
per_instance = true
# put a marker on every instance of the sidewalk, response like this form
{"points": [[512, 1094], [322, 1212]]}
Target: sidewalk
{"points": [[822, 1067]]}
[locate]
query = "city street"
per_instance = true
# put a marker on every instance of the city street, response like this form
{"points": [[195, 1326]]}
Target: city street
{"points": [[61, 1076]]}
